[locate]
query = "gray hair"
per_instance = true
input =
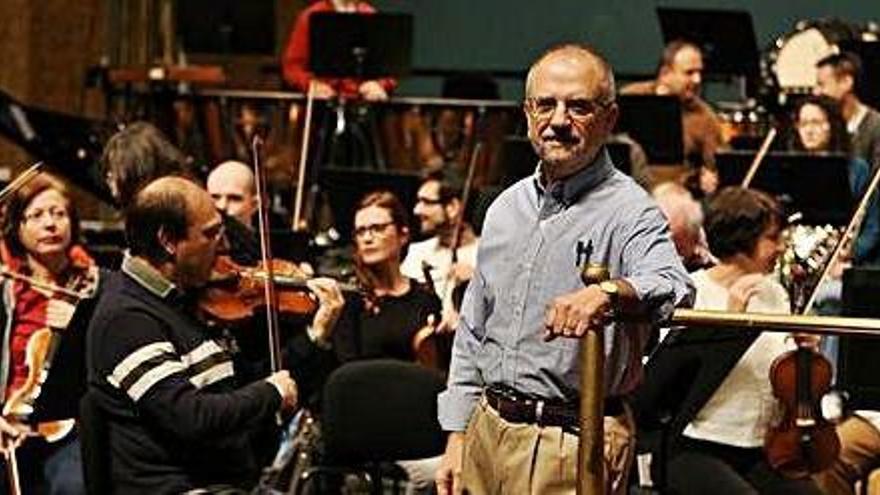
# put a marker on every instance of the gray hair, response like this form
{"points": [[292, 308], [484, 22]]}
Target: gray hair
{"points": [[677, 204]]}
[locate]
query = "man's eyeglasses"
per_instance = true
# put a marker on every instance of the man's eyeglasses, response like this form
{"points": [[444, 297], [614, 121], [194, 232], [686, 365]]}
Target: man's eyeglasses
{"points": [[56, 214], [428, 201], [374, 229], [576, 108]]}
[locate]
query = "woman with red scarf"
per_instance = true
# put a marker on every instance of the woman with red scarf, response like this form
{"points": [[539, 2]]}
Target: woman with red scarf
{"points": [[45, 268]]}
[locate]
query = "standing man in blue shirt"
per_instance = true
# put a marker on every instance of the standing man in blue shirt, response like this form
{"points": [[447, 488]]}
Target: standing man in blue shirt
{"points": [[511, 401]]}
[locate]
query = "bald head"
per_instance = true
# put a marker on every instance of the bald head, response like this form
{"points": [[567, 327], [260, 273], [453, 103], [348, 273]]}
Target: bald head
{"points": [[172, 224], [575, 54], [570, 109], [231, 186], [680, 72], [685, 217]]}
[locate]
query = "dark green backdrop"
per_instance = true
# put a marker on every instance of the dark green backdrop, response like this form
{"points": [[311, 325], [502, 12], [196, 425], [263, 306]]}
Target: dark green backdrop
{"points": [[507, 34]]}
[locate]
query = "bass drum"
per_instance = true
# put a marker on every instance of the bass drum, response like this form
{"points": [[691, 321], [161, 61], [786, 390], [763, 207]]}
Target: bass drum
{"points": [[790, 63]]}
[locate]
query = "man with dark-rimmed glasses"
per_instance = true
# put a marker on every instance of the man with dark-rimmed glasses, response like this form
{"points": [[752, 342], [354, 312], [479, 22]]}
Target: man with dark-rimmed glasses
{"points": [[440, 210], [513, 390]]}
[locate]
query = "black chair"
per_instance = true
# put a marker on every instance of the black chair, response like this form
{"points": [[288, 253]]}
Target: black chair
{"points": [[94, 445], [374, 413]]}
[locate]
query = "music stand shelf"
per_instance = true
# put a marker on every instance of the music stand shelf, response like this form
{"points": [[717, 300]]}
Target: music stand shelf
{"points": [[360, 46]]}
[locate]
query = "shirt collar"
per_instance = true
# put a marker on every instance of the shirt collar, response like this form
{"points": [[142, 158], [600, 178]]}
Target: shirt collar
{"points": [[570, 189], [147, 276], [852, 125]]}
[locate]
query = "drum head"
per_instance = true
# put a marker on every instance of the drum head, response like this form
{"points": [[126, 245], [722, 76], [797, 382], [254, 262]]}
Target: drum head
{"points": [[795, 66]]}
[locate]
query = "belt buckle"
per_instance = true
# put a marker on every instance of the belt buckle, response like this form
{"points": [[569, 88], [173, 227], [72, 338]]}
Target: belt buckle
{"points": [[539, 412]]}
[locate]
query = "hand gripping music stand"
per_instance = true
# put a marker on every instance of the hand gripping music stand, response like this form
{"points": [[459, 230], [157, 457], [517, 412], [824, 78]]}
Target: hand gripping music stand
{"points": [[726, 37], [360, 47]]}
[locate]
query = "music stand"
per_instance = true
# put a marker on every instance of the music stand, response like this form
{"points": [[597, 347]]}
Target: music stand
{"points": [[344, 187], [360, 46], [679, 378], [726, 37], [815, 185], [519, 159], [855, 362], [226, 27], [655, 123]]}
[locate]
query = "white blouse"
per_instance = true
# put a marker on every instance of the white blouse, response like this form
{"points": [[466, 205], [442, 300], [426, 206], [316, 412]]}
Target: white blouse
{"points": [[743, 407]]}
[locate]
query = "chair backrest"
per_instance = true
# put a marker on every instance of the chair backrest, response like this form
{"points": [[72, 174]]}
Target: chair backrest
{"points": [[381, 410], [95, 445]]}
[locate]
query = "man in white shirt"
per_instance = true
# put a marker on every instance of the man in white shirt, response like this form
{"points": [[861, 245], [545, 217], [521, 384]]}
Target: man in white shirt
{"points": [[440, 211]]}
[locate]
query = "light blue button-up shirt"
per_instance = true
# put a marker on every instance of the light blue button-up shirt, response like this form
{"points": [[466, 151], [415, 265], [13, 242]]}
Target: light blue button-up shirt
{"points": [[533, 243]]}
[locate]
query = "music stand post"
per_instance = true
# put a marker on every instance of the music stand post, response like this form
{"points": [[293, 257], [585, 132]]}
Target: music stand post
{"points": [[353, 46]]}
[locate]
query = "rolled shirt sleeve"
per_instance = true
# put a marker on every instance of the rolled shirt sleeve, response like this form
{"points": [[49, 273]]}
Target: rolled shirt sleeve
{"points": [[653, 268]]}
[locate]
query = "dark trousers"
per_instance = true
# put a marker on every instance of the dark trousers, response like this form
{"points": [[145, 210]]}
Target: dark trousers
{"points": [[715, 469], [48, 468]]}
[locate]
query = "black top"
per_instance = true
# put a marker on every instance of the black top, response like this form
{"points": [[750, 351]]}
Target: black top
{"points": [[175, 418], [387, 333], [362, 334]]}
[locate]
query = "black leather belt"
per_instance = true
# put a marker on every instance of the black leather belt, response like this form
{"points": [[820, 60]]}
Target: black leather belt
{"points": [[519, 408]]}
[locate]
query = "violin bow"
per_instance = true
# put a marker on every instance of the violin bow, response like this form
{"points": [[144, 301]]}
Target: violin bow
{"points": [[13, 481], [762, 152], [465, 197], [22, 179], [5, 272], [303, 158], [848, 235], [266, 256]]}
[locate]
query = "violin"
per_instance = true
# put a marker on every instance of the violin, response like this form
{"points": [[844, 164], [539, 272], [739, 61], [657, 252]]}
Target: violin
{"points": [[235, 291], [804, 442], [40, 350], [40, 353]]}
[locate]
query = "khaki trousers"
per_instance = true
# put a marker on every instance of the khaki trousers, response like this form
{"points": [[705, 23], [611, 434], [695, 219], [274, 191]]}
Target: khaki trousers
{"points": [[516, 458], [859, 454]]}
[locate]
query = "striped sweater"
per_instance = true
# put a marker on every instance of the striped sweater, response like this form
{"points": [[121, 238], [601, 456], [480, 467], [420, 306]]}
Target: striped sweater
{"points": [[176, 417]]}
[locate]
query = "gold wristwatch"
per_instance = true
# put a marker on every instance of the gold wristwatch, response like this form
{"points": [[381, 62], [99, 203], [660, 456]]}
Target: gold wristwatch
{"points": [[612, 290]]}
